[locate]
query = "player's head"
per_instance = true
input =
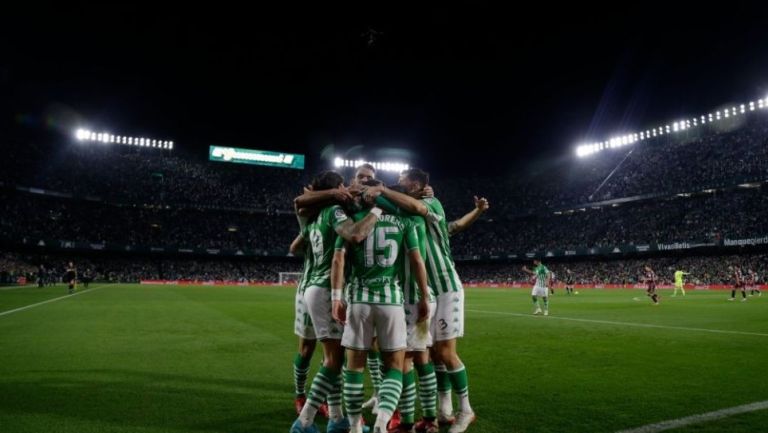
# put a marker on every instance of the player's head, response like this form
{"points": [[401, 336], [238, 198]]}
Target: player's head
{"points": [[647, 268], [398, 188], [358, 203], [568, 271], [536, 262], [364, 173], [371, 182], [414, 180], [328, 179], [71, 264]]}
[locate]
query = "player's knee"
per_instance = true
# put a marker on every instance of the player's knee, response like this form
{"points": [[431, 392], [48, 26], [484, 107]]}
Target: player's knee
{"points": [[356, 360], [447, 353], [307, 347]]}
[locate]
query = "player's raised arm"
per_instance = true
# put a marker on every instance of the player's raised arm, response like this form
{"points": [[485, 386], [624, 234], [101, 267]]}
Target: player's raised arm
{"points": [[463, 223], [528, 271]]}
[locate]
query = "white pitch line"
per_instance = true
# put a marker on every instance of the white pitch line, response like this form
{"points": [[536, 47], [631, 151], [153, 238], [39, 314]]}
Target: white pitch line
{"points": [[49, 301], [700, 418], [638, 325]]}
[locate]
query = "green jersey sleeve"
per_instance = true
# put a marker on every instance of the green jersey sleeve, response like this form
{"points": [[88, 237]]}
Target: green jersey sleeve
{"points": [[337, 216], [339, 243], [387, 205], [411, 236]]}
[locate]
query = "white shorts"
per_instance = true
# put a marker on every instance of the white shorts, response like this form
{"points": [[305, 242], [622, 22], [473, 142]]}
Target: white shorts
{"points": [[319, 305], [448, 322], [419, 336], [303, 324], [386, 322], [540, 291]]}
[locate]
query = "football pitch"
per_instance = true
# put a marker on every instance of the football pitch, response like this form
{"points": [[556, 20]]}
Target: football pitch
{"points": [[131, 358]]}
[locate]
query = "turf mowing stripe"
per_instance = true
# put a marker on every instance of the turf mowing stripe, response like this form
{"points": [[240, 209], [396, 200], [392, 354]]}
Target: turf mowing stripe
{"points": [[638, 325], [700, 418], [49, 301], [19, 287]]}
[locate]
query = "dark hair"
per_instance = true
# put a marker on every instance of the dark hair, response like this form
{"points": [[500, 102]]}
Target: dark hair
{"points": [[327, 180], [397, 188], [417, 175], [373, 182], [368, 166]]}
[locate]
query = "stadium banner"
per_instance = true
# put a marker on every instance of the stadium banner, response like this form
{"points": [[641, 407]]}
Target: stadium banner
{"points": [[207, 283], [650, 247], [745, 242], [256, 157], [529, 285]]}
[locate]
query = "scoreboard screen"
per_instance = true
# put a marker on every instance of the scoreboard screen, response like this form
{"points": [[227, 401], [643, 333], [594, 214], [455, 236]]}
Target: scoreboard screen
{"points": [[256, 157]]}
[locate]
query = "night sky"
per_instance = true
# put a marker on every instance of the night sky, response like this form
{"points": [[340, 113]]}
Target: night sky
{"points": [[483, 90]]}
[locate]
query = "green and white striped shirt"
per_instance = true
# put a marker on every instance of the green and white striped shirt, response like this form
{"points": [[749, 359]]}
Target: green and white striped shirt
{"points": [[542, 276], [441, 270], [377, 261], [307, 268], [321, 234], [408, 277]]}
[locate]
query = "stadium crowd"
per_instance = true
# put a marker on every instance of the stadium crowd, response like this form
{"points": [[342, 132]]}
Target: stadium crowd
{"points": [[703, 269], [156, 198], [668, 165], [735, 214]]}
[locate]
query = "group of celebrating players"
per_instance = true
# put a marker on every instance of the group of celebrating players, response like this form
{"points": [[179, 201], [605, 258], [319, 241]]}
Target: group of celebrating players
{"points": [[379, 288]]}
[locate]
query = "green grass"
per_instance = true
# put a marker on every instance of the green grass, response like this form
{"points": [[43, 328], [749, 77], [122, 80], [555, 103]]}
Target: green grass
{"points": [[132, 358]]}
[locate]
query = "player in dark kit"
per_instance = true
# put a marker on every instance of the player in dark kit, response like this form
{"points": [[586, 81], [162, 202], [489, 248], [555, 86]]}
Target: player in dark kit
{"points": [[41, 276], [754, 288], [738, 283], [51, 277], [70, 277], [87, 277], [650, 279], [568, 282]]}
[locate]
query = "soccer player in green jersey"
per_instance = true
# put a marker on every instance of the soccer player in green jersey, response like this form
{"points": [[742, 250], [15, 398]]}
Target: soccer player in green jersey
{"points": [[376, 308], [303, 329], [543, 280], [366, 174], [321, 233], [448, 324], [309, 205], [418, 339], [679, 282]]}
